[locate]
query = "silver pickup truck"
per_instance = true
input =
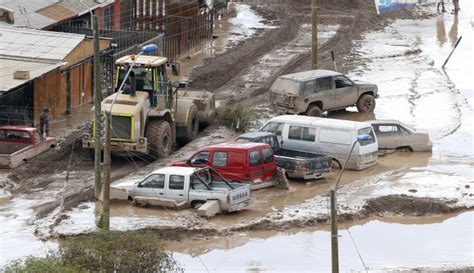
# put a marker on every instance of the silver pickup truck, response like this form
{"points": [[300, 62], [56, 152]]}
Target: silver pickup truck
{"points": [[186, 186]]}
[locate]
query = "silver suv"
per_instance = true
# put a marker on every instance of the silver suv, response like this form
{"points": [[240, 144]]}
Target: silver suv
{"points": [[315, 91]]}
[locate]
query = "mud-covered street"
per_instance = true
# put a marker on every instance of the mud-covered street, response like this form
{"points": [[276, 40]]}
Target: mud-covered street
{"points": [[411, 210]]}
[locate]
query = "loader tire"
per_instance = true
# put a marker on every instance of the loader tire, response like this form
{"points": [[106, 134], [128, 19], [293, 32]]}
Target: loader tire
{"points": [[192, 126], [366, 103], [159, 138]]}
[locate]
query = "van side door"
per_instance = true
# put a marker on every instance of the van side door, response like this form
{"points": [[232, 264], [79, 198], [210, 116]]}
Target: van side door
{"points": [[256, 168], [269, 165], [345, 92], [300, 138], [177, 187]]}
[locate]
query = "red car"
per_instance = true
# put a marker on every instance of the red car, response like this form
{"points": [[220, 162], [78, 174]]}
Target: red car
{"points": [[252, 163]]}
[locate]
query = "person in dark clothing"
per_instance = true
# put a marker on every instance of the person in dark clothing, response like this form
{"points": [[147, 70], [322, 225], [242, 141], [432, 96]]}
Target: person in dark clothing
{"points": [[44, 122], [441, 3]]}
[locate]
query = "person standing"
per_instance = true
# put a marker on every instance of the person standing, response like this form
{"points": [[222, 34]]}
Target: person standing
{"points": [[456, 6], [44, 122], [441, 3]]}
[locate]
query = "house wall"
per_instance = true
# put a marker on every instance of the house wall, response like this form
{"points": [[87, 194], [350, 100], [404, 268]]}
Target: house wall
{"points": [[84, 50], [50, 91]]}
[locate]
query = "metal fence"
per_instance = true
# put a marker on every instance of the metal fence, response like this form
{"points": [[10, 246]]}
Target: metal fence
{"points": [[16, 107]]}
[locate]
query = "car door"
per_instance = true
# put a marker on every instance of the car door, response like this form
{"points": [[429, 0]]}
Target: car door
{"points": [[200, 159], [407, 138], [152, 186], [269, 165], [255, 166], [176, 188], [388, 136], [344, 92]]}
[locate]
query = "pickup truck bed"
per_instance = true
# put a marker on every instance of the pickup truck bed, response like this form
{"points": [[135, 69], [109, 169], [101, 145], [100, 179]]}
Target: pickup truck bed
{"points": [[303, 165], [296, 164]]}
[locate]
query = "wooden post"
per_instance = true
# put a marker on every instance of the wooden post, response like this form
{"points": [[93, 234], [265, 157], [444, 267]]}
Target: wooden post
{"points": [[314, 34], [334, 241], [104, 220], [97, 117]]}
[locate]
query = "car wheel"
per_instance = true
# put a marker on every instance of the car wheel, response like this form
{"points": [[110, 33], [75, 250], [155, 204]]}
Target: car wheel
{"points": [[366, 103], [335, 164], [314, 111]]}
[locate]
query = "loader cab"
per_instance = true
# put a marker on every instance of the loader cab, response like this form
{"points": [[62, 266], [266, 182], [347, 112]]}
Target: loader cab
{"points": [[149, 75]]}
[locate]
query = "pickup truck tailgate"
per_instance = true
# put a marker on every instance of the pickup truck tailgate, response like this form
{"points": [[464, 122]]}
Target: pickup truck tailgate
{"points": [[239, 195]]}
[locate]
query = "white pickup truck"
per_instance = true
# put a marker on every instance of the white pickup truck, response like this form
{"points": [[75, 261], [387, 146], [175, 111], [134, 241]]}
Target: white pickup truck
{"points": [[181, 187]]}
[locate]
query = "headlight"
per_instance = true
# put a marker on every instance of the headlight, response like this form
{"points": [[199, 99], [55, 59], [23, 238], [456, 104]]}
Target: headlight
{"points": [[141, 141], [86, 136]]}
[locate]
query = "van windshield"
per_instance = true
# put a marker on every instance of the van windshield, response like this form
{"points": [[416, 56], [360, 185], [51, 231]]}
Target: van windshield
{"points": [[283, 85], [367, 132]]}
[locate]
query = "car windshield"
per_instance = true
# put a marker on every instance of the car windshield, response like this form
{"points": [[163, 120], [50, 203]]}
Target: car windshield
{"points": [[283, 85]]}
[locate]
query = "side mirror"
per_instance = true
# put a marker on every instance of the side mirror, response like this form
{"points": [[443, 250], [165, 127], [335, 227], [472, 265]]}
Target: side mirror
{"points": [[139, 185], [188, 162], [175, 68]]}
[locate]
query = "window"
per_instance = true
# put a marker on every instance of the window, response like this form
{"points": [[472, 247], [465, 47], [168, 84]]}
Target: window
{"points": [[38, 138], [323, 84], [17, 135], [156, 181], [367, 131], [176, 182], [273, 127], [270, 141], [235, 160], [267, 155], [302, 133], [200, 158], [335, 136], [342, 82], [309, 87], [219, 159], [255, 158], [387, 129], [108, 17]]}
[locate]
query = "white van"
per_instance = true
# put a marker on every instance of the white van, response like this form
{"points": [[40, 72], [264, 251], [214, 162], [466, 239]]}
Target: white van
{"points": [[331, 137]]}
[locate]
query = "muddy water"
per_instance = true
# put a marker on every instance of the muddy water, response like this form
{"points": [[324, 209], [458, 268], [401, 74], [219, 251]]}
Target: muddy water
{"points": [[430, 242]]}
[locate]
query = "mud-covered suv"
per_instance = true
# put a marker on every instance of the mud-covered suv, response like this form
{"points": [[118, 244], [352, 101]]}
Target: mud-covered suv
{"points": [[315, 91]]}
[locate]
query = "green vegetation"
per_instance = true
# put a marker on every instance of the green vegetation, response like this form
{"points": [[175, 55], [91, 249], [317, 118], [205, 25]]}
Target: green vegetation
{"points": [[239, 117], [113, 251]]}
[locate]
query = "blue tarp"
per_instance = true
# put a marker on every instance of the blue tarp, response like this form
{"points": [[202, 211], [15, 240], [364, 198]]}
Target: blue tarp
{"points": [[384, 6]]}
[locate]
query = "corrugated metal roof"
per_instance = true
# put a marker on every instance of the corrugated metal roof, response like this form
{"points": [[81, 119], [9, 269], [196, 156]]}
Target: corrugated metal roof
{"points": [[25, 12], [7, 67], [28, 43], [65, 9]]}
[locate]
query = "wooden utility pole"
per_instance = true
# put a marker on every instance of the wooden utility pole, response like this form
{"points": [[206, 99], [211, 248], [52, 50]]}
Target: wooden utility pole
{"points": [[98, 112], [314, 34], [104, 219]]}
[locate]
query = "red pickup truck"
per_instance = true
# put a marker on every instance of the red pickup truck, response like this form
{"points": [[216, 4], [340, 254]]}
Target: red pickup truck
{"points": [[20, 143], [251, 163]]}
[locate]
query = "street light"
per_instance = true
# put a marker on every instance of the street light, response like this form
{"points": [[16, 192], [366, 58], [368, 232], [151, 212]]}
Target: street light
{"points": [[334, 236], [104, 221]]}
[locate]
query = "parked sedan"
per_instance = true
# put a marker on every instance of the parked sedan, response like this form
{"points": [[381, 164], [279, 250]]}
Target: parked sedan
{"points": [[393, 134]]}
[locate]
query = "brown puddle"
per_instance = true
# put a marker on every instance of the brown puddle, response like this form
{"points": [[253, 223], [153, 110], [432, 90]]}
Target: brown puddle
{"points": [[382, 243]]}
